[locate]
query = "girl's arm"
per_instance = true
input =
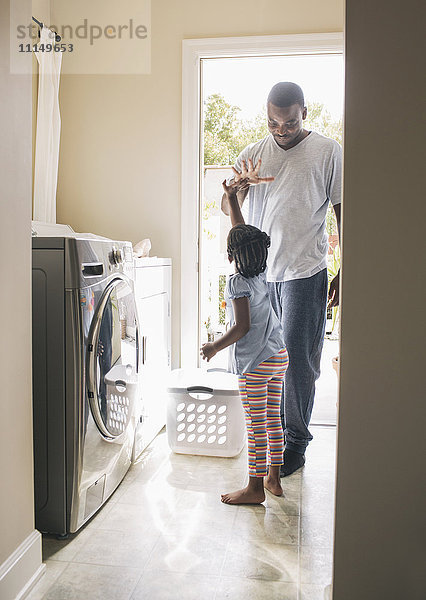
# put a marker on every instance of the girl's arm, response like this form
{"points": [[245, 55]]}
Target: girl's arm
{"points": [[240, 184], [234, 207], [241, 308]]}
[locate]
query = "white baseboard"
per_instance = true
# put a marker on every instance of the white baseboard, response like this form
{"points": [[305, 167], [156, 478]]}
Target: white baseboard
{"points": [[32, 582], [21, 571]]}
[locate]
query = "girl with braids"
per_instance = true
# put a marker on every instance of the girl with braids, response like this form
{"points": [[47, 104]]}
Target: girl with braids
{"points": [[257, 351]]}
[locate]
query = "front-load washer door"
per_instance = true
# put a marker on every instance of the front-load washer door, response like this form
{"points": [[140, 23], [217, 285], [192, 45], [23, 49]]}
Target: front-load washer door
{"points": [[112, 360]]}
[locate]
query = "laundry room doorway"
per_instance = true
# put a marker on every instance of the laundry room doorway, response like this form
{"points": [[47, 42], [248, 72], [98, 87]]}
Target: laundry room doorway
{"points": [[225, 86]]}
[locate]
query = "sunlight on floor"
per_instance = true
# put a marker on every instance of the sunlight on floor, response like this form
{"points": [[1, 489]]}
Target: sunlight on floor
{"points": [[164, 534]]}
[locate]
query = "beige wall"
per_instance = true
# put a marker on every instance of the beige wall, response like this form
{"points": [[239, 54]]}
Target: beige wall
{"points": [[120, 157], [380, 550], [16, 463]]}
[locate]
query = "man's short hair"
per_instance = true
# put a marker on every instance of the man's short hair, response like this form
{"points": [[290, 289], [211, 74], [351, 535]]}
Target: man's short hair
{"points": [[286, 94]]}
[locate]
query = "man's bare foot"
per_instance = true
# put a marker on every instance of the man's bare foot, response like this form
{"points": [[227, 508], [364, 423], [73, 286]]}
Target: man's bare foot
{"points": [[245, 496], [273, 486]]}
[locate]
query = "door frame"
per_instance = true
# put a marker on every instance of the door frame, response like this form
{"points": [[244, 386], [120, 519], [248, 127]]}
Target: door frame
{"points": [[193, 51]]}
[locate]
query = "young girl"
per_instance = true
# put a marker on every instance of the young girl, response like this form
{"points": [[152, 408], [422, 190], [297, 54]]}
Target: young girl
{"points": [[257, 351]]}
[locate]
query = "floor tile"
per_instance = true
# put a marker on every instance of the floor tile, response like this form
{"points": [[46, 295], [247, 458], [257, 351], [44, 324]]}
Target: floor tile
{"points": [[261, 560], [173, 474], [292, 486], [319, 479], [316, 565], [236, 588], [218, 480], [54, 568], [274, 504], [201, 521], [188, 554], [235, 462], [162, 585], [148, 469], [315, 592], [64, 550], [117, 548], [198, 498], [81, 582], [154, 498], [267, 526], [285, 504], [124, 485], [129, 517], [165, 533], [316, 530], [317, 504], [190, 460]]}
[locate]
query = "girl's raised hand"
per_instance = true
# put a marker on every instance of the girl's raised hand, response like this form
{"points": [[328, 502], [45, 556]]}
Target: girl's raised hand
{"points": [[235, 186]]}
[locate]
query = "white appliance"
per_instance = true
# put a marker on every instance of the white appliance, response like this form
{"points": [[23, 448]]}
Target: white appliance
{"points": [[153, 288]]}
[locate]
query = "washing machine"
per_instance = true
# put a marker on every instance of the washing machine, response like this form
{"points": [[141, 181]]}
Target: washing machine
{"points": [[85, 375]]}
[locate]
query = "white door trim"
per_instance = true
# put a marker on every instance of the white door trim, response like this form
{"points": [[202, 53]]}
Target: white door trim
{"points": [[192, 53]]}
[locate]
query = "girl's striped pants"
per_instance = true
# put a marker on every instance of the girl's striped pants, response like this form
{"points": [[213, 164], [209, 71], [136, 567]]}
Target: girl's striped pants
{"points": [[260, 392]]}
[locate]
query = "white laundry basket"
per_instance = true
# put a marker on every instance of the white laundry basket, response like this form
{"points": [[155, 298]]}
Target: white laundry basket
{"points": [[121, 392], [204, 413]]}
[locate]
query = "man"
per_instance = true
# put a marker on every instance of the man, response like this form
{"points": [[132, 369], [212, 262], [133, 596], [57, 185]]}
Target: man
{"points": [[291, 208]]}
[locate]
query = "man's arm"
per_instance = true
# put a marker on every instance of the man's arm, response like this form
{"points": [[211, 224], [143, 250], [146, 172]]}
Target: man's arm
{"points": [[338, 212], [333, 292]]}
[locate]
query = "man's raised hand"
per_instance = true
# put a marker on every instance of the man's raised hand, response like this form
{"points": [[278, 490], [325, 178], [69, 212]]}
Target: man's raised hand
{"points": [[250, 173]]}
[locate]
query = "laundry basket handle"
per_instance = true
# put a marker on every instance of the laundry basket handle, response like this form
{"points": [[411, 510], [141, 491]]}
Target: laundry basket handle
{"points": [[200, 388]]}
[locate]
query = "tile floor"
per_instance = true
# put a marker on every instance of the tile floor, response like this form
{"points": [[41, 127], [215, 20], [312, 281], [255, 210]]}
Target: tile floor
{"points": [[164, 534]]}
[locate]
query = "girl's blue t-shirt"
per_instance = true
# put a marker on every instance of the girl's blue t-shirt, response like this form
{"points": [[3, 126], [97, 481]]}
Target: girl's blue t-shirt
{"points": [[265, 337]]}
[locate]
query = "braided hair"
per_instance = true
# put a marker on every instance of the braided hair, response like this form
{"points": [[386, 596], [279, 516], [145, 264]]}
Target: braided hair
{"points": [[248, 246]]}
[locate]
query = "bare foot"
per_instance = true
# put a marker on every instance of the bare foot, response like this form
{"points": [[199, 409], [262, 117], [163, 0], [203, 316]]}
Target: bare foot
{"points": [[273, 486], [245, 496]]}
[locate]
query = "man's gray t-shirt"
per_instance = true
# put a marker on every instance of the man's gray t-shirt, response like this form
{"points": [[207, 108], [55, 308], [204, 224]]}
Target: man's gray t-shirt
{"points": [[292, 209]]}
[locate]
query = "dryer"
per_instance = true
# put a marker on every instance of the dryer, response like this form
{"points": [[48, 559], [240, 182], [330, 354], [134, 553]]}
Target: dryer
{"points": [[153, 288], [85, 376]]}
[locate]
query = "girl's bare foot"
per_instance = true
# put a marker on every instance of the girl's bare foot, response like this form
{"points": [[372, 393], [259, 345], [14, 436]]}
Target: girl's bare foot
{"points": [[248, 495], [273, 486], [272, 482]]}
